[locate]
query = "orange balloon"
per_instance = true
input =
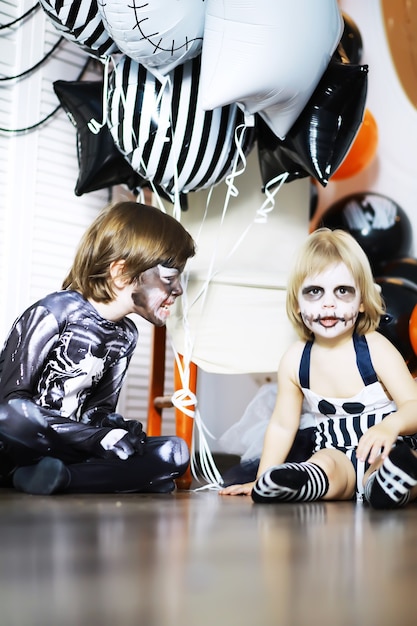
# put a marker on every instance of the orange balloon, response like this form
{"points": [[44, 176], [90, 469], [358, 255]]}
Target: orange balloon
{"points": [[412, 329], [362, 150]]}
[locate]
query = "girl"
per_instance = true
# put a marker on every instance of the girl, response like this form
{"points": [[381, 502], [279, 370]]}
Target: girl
{"points": [[351, 378], [65, 359]]}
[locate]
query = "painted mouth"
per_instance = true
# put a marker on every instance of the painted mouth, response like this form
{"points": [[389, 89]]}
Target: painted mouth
{"points": [[328, 322], [166, 307]]}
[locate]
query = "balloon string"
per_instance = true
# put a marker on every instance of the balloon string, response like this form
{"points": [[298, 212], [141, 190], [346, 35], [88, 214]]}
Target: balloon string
{"points": [[269, 203], [208, 469], [232, 191], [260, 218], [183, 399], [93, 125]]}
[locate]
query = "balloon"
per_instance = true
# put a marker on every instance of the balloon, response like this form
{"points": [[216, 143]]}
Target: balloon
{"points": [[274, 156], [101, 164], [267, 55], [362, 151], [80, 22], [403, 267], [400, 297], [413, 329], [350, 48], [322, 135], [380, 226], [158, 38], [163, 131]]}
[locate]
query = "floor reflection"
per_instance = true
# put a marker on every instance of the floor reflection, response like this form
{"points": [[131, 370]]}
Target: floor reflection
{"points": [[197, 558]]}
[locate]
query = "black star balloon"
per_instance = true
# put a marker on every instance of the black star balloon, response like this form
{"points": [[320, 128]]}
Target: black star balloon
{"points": [[350, 47], [101, 164], [320, 138]]}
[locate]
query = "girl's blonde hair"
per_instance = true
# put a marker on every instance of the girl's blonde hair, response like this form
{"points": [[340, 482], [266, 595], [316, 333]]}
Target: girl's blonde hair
{"points": [[140, 235], [325, 247]]}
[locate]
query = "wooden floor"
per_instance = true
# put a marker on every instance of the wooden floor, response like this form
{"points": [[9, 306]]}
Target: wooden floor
{"points": [[196, 559]]}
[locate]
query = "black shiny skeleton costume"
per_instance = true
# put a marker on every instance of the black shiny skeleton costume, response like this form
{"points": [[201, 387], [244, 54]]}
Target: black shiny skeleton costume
{"points": [[61, 372]]}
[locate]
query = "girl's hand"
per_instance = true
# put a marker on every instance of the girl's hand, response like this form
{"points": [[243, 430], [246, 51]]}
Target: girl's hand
{"points": [[378, 440], [237, 490]]}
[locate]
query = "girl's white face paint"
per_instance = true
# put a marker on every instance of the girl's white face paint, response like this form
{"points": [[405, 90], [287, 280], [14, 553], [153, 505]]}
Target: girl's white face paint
{"points": [[330, 302], [155, 292]]}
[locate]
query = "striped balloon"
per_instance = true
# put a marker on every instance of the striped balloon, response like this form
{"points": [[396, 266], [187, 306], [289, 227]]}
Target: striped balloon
{"points": [[163, 131], [79, 21]]}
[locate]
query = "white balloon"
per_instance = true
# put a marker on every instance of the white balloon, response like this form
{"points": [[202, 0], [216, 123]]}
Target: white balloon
{"points": [[267, 55], [157, 34]]}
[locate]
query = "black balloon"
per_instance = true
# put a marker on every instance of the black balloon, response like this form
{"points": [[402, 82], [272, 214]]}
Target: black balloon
{"points": [[350, 48], [380, 226], [274, 158], [400, 297], [101, 164], [403, 267], [320, 138]]}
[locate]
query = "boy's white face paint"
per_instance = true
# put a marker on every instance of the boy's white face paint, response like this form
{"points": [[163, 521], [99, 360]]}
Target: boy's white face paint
{"points": [[330, 302], [155, 292]]}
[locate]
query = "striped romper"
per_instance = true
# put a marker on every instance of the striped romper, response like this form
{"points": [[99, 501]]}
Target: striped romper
{"points": [[340, 422]]}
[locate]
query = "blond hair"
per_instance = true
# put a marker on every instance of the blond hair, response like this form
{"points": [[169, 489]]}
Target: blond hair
{"points": [[140, 235], [325, 247]]}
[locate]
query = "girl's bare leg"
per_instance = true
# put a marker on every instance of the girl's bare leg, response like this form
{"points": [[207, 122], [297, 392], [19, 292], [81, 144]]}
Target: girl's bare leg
{"points": [[340, 473]]}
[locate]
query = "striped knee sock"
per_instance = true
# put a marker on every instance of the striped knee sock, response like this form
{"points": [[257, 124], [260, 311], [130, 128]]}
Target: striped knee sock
{"points": [[291, 482], [389, 487]]}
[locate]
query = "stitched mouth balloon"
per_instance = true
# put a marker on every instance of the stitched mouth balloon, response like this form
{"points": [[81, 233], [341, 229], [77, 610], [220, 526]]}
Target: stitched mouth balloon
{"points": [[157, 34]]}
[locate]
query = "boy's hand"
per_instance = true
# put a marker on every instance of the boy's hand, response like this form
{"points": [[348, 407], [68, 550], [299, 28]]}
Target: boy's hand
{"points": [[115, 420], [122, 443], [132, 441]]}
